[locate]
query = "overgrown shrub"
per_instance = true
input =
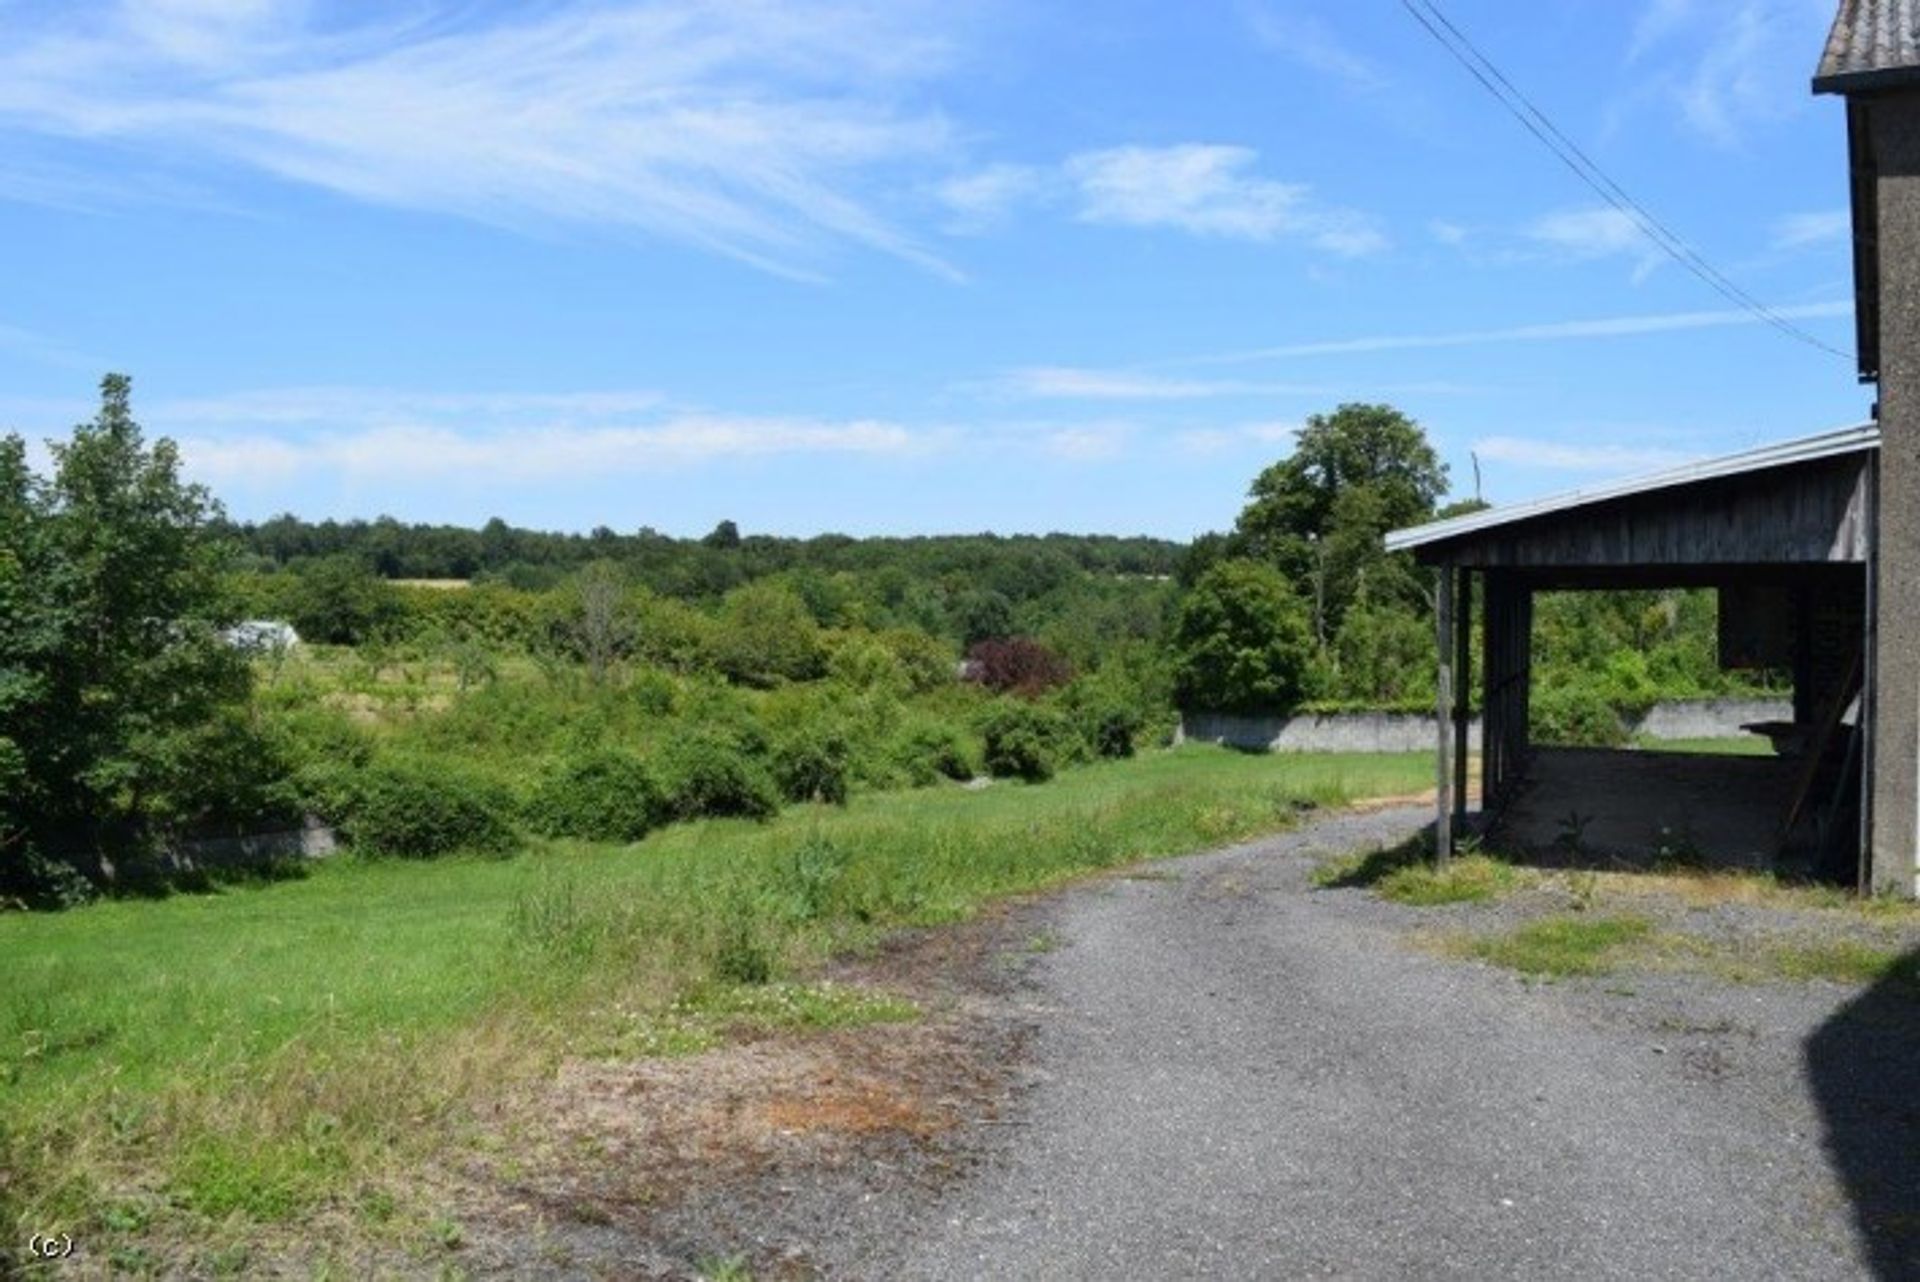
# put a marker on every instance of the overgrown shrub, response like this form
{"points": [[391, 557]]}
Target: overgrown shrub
{"points": [[413, 810], [934, 750], [340, 601], [607, 795], [741, 951], [859, 661], [228, 772], [724, 715], [1385, 657], [652, 691], [1024, 741], [28, 879], [1017, 665], [707, 777], [806, 881], [767, 635], [926, 661], [811, 764], [1110, 728], [1576, 714]]}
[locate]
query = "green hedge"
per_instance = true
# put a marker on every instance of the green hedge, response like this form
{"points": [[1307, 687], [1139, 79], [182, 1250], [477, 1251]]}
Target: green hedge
{"points": [[603, 795], [419, 810]]}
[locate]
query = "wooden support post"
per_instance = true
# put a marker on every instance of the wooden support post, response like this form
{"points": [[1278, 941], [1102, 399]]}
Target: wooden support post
{"points": [[1462, 683], [1491, 653], [1443, 629]]}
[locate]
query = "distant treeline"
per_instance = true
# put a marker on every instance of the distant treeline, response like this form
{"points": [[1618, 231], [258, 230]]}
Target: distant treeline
{"points": [[1018, 566]]}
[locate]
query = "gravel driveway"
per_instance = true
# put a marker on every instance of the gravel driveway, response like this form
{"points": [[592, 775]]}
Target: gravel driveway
{"points": [[1236, 1075]]}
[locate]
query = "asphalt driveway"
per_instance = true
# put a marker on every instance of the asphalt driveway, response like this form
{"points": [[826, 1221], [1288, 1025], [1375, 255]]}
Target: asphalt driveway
{"points": [[1236, 1075]]}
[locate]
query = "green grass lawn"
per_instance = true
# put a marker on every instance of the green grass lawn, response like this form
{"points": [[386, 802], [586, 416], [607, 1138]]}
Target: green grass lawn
{"points": [[1744, 745], [263, 1052]]}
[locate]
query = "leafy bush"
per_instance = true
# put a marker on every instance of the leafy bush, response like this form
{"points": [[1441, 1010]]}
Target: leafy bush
{"points": [[1386, 657], [706, 776], [1016, 665], [414, 810], [933, 750], [858, 661], [725, 715], [608, 795], [767, 635], [926, 661], [1024, 741], [674, 634], [1577, 714], [1241, 641], [27, 879], [228, 771], [1110, 729], [652, 692], [812, 765], [340, 601]]}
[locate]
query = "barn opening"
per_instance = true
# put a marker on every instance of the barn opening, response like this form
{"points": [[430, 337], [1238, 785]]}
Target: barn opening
{"points": [[1779, 538]]}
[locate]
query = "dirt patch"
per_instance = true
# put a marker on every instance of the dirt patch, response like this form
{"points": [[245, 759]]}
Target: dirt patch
{"points": [[758, 1151]]}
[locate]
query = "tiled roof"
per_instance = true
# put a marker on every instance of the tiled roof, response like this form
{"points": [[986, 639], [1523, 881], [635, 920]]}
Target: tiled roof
{"points": [[1875, 44]]}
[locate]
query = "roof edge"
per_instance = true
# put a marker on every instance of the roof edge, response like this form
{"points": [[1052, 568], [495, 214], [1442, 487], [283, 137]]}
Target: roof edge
{"points": [[1806, 449], [1878, 80]]}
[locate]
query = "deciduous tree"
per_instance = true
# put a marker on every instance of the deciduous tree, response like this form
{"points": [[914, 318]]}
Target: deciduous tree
{"points": [[111, 659], [1241, 641]]}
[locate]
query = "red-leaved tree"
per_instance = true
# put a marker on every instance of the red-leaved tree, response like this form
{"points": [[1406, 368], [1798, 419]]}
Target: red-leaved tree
{"points": [[1017, 665]]}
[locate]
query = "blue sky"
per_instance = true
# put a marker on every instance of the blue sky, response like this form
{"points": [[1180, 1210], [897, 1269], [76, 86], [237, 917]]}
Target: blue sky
{"points": [[903, 267]]}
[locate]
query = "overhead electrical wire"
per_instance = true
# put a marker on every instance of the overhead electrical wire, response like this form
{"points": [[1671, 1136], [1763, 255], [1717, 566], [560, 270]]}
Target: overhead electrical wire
{"points": [[1429, 15]]}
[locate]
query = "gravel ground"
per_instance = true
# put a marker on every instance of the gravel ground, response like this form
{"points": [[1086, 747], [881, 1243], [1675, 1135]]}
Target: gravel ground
{"points": [[1233, 1074], [1209, 1068]]}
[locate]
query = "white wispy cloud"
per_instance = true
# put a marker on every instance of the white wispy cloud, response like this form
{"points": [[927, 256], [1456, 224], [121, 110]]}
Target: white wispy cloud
{"points": [[1306, 39], [1219, 440], [745, 128], [1603, 232], [1088, 442], [1524, 451], [1084, 383], [267, 437], [451, 455], [1555, 331], [985, 198], [1798, 231], [1727, 65], [1066, 382], [1203, 189], [1209, 190], [1660, 19], [335, 407], [1728, 83], [39, 349]]}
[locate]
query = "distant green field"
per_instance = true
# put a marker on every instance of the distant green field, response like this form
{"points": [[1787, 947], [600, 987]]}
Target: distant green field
{"points": [[1746, 745], [262, 1053]]}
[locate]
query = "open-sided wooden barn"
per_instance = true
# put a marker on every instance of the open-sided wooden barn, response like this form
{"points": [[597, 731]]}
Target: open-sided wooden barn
{"points": [[1814, 546], [1783, 533]]}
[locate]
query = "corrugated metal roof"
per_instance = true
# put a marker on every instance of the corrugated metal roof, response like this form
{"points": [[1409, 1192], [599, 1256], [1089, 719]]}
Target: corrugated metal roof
{"points": [[1846, 441], [1874, 44]]}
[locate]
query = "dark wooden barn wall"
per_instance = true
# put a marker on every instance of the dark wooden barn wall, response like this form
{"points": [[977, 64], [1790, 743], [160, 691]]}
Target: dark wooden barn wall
{"points": [[1811, 513], [1506, 676]]}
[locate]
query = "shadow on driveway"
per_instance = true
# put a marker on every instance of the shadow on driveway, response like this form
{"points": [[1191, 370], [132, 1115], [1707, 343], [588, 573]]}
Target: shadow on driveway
{"points": [[1864, 1067]]}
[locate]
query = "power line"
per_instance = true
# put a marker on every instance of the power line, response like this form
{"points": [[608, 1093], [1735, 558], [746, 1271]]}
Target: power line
{"points": [[1429, 15]]}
